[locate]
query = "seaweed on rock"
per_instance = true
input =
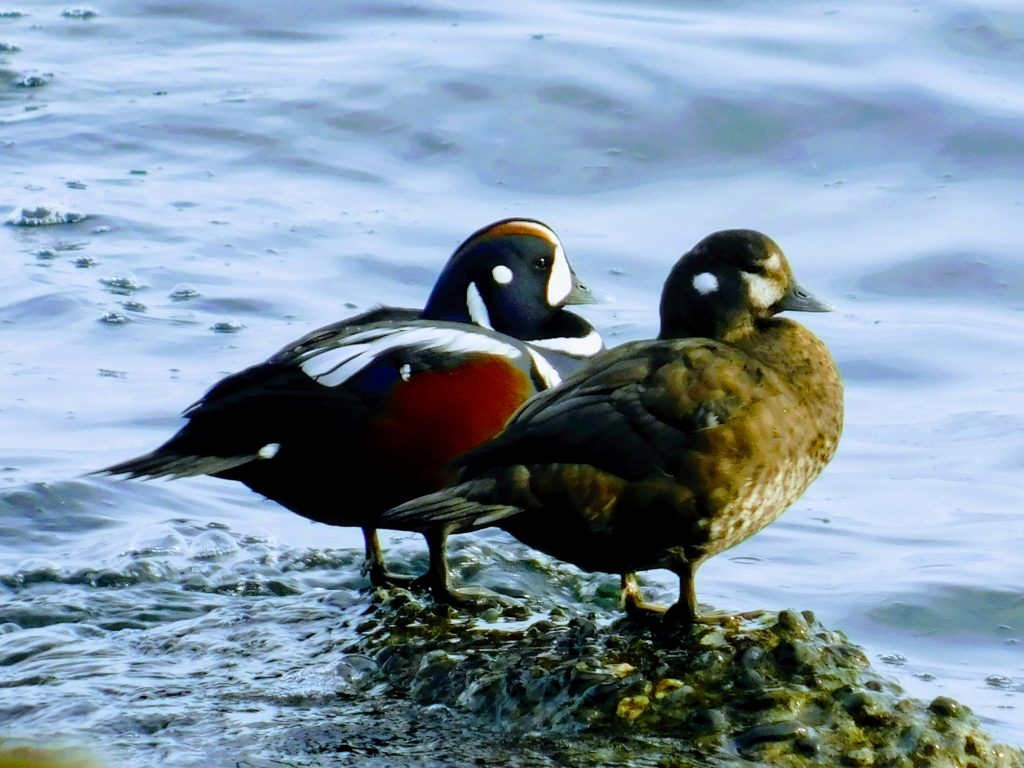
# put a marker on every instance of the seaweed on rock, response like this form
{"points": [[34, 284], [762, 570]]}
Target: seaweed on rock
{"points": [[779, 690]]}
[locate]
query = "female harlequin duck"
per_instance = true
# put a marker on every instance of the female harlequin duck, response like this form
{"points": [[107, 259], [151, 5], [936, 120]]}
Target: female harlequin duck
{"points": [[660, 454], [366, 413]]}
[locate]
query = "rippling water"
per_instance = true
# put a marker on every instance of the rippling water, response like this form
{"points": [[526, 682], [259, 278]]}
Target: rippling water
{"points": [[190, 185]]}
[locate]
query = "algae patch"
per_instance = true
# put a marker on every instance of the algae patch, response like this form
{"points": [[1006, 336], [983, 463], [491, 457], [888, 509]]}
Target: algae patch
{"points": [[778, 690]]}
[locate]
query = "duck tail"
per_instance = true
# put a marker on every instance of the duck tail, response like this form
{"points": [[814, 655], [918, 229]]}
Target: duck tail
{"points": [[460, 508], [165, 463]]}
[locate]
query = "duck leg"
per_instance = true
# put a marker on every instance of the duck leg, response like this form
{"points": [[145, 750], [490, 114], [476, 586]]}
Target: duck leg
{"points": [[683, 612], [438, 578], [376, 568], [633, 601]]}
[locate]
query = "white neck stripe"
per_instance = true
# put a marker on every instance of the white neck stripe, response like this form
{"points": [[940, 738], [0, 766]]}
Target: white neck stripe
{"points": [[477, 308], [586, 346]]}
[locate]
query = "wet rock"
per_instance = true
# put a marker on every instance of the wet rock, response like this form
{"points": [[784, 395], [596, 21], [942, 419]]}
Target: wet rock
{"points": [[774, 690]]}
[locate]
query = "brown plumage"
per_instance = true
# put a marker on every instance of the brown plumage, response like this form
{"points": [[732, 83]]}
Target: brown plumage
{"points": [[661, 454]]}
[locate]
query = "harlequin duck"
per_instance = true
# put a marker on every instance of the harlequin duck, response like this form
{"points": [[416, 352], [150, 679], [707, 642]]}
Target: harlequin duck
{"points": [[366, 413], [660, 454], [512, 277]]}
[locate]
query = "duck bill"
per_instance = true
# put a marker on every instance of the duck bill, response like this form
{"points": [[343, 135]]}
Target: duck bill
{"points": [[580, 293], [799, 299]]}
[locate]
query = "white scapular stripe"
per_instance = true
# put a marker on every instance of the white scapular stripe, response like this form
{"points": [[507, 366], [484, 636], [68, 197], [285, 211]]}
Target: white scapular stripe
{"points": [[336, 366], [269, 450], [585, 346], [547, 372], [560, 281], [477, 309]]}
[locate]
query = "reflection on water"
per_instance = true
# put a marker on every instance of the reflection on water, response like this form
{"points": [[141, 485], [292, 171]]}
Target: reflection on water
{"points": [[189, 186]]}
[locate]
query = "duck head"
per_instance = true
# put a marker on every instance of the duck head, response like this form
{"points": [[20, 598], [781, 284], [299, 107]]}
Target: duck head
{"points": [[728, 284], [511, 276]]}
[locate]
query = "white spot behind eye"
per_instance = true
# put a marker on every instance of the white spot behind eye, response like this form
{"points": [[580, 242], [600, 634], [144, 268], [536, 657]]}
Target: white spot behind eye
{"points": [[502, 274], [269, 450], [477, 309], [773, 262], [560, 281], [763, 291], [405, 372], [705, 283]]}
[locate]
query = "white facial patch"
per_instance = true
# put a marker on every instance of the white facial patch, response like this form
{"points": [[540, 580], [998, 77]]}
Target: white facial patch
{"points": [[560, 280], [586, 346], [405, 372], [337, 365], [477, 309], [269, 450], [763, 291], [502, 274], [705, 283], [547, 371], [773, 262]]}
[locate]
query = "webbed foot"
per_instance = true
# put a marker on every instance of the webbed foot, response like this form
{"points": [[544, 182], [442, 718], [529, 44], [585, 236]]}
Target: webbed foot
{"points": [[380, 576]]}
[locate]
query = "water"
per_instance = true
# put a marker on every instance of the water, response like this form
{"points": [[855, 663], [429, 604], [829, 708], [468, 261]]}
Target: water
{"points": [[210, 182]]}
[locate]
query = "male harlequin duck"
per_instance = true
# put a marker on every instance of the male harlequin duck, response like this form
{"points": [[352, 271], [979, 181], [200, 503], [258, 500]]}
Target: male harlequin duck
{"points": [[660, 454], [366, 413]]}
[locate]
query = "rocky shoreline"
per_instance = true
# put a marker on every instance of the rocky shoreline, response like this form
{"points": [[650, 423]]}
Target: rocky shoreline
{"points": [[778, 689]]}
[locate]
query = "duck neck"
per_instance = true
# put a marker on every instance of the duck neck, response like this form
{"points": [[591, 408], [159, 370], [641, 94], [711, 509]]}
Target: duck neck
{"points": [[730, 329], [803, 361]]}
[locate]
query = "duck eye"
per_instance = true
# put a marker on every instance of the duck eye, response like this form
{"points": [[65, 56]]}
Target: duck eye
{"points": [[541, 263]]}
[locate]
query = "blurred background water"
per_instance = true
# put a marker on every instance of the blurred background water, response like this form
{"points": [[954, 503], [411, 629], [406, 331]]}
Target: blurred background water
{"points": [[189, 185]]}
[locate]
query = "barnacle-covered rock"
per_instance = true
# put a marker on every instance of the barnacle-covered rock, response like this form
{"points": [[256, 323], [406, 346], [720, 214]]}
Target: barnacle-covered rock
{"points": [[779, 690]]}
